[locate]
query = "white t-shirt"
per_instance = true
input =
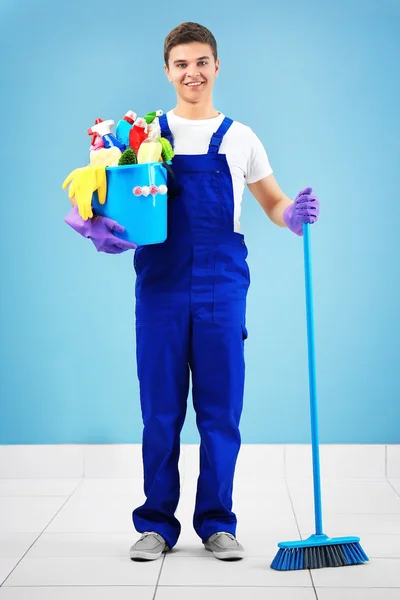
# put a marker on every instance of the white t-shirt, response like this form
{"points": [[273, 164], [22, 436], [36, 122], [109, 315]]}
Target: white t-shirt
{"points": [[246, 157]]}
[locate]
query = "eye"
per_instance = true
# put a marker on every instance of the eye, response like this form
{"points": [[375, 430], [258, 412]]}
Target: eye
{"points": [[203, 62]]}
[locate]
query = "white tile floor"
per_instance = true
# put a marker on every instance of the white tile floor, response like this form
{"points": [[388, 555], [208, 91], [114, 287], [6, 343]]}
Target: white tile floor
{"points": [[69, 539]]}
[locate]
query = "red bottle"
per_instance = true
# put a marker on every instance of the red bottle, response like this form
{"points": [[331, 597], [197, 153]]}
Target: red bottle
{"points": [[137, 134]]}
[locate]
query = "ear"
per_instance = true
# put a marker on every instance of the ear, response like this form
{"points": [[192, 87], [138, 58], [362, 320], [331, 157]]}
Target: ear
{"points": [[217, 64], [167, 73]]}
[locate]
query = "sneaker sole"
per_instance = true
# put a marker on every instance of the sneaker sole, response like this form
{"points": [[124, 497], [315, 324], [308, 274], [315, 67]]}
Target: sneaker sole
{"points": [[142, 556], [229, 555]]}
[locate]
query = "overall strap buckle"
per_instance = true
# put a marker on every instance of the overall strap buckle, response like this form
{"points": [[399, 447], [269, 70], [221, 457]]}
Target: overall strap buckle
{"points": [[218, 136], [216, 141]]}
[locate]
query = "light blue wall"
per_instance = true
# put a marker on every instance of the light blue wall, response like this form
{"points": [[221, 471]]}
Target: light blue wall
{"points": [[319, 84]]}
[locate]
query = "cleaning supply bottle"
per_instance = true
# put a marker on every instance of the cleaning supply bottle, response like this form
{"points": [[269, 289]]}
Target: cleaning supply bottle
{"points": [[154, 128], [124, 126], [109, 139], [97, 145], [150, 150], [149, 117], [97, 140], [137, 134]]}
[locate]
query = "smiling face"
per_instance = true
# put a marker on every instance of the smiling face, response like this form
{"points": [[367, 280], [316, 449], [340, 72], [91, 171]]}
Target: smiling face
{"points": [[192, 70]]}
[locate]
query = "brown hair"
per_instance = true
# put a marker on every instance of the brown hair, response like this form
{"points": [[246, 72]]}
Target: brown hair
{"points": [[186, 33]]}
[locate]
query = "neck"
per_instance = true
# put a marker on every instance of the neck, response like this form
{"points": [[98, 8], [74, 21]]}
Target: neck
{"points": [[186, 110]]}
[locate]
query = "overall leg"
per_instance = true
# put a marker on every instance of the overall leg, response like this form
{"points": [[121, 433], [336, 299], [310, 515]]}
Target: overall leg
{"points": [[162, 331], [218, 372]]}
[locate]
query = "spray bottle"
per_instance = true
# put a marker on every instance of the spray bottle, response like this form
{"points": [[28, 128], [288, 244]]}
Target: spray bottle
{"points": [[137, 134], [149, 117], [154, 128], [153, 123], [150, 150], [97, 140], [109, 139], [124, 126]]}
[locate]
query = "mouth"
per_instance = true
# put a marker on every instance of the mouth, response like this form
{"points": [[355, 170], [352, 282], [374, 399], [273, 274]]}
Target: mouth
{"points": [[194, 84]]}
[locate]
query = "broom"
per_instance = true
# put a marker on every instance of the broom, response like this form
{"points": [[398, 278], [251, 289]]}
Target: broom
{"points": [[318, 550]]}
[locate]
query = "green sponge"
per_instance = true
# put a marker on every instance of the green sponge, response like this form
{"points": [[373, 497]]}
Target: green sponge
{"points": [[167, 151], [128, 158]]}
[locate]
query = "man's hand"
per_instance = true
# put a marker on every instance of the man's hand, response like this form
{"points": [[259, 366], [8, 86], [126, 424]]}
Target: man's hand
{"points": [[100, 231], [304, 209]]}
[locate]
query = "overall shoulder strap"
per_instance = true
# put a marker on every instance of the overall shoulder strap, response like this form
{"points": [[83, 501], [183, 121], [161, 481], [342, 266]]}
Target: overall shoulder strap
{"points": [[218, 136], [165, 130]]}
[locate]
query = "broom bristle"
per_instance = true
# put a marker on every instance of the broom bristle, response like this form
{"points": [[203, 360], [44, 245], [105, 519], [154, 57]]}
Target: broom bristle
{"points": [[318, 557]]}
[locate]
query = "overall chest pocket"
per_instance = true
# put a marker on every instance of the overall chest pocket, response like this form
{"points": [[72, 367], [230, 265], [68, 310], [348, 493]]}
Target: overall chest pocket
{"points": [[202, 196]]}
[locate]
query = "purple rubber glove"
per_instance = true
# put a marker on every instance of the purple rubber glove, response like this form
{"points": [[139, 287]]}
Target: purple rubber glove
{"points": [[305, 209], [100, 231]]}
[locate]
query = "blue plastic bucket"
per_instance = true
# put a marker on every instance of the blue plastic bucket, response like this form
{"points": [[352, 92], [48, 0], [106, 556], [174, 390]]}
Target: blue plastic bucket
{"points": [[144, 217]]}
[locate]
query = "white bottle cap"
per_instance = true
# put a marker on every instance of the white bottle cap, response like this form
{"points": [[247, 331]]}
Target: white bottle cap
{"points": [[131, 116]]}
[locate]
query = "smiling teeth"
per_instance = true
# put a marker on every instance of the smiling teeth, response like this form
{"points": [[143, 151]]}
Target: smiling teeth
{"points": [[194, 84]]}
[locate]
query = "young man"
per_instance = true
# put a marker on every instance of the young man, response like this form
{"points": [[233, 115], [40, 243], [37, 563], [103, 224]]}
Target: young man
{"points": [[191, 299]]}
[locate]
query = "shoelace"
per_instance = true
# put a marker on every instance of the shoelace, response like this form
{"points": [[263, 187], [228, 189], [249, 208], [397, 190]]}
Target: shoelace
{"points": [[230, 536], [147, 533]]}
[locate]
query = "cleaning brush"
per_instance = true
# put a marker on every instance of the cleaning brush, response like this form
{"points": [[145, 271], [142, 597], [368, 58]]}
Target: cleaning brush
{"points": [[318, 550]]}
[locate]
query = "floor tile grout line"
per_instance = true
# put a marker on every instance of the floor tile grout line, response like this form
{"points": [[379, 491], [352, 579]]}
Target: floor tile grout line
{"points": [[314, 588], [112, 585], [32, 478], [395, 491], [298, 529], [386, 461], [159, 576], [23, 496], [248, 586], [252, 557], [386, 474], [41, 533], [284, 463], [293, 509], [288, 491]]}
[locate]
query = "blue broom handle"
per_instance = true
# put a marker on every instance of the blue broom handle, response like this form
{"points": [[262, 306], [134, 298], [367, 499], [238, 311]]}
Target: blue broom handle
{"points": [[312, 380]]}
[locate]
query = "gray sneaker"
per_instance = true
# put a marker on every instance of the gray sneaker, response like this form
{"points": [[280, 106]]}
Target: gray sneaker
{"points": [[224, 546], [149, 547]]}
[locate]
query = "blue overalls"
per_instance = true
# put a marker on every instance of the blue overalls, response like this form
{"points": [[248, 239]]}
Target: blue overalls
{"points": [[190, 314]]}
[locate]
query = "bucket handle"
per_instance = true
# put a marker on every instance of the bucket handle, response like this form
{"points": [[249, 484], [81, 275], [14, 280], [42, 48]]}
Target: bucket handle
{"points": [[170, 170]]}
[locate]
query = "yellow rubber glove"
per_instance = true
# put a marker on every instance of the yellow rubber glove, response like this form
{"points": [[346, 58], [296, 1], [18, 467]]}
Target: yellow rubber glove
{"points": [[84, 188], [84, 181], [101, 179], [79, 179], [71, 179]]}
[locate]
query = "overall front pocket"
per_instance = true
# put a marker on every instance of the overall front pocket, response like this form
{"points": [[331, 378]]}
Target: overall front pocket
{"points": [[202, 197]]}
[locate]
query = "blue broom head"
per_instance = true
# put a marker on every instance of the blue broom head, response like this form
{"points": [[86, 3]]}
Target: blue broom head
{"points": [[317, 552]]}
